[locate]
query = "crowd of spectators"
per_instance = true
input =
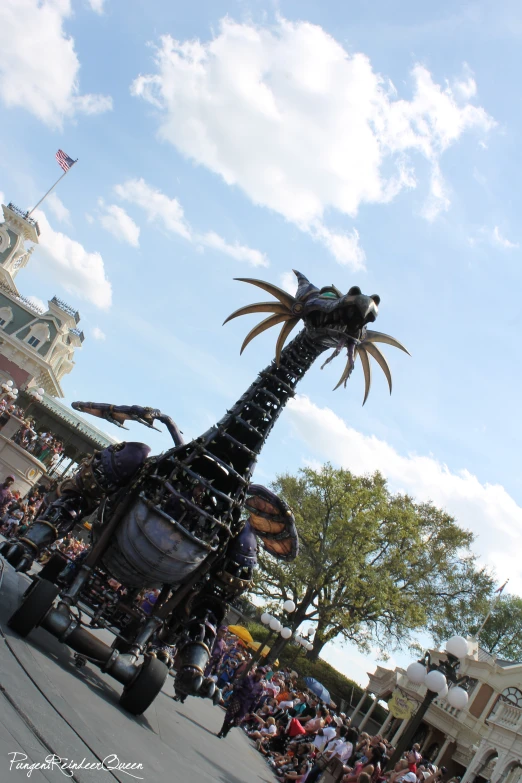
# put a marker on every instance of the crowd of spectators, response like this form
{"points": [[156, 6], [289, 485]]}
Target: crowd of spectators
{"points": [[43, 444], [16, 514], [301, 738]]}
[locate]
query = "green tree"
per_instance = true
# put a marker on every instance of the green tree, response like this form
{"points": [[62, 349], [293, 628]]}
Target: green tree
{"points": [[373, 567], [502, 632]]}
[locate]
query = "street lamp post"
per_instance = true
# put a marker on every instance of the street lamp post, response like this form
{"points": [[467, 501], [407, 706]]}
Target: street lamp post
{"points": [[9, 391], [37, 396], [276, 628], [303, 641], [442, 681]]}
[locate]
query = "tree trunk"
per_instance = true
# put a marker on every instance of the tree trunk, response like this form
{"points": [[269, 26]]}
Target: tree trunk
{"points": [[318, 643]]}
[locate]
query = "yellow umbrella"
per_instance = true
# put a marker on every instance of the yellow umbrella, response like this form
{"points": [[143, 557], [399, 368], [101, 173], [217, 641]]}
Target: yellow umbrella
{"points": [[264, 652], [241, 633]]}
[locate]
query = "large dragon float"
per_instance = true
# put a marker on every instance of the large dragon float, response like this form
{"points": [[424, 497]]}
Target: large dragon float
{"points": [[176, 521]]}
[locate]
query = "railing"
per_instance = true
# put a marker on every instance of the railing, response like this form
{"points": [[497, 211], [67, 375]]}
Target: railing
{"points": [[66, 308], [78, 333], [25, 215], [22, 299], [443, 705], [508, 716]]}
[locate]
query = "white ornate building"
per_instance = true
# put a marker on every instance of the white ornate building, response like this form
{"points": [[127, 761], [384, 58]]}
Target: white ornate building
{"points": [[36, 345], [480, 743]]}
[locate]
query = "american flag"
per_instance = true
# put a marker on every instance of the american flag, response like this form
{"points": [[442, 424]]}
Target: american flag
{"points": [[64, 160]]}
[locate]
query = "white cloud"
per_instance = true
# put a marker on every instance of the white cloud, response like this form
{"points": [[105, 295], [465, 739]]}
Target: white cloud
{"points": [[438, 200], [38, 64], [98, 333], [492, 237], [237, 251], [168, 213], [486, 509], [118, 223], [97, 6], [38, 303], [301, 125], [501, 241], [345, 248], [158, 207], [58, 208], [80, 272]]}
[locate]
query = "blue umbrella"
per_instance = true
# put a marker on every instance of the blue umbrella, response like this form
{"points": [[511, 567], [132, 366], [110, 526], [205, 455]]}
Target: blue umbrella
{"points": [[316, 687]]}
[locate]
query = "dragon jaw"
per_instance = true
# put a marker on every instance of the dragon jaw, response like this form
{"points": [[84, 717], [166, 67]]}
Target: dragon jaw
{"points": [[330, 318]]}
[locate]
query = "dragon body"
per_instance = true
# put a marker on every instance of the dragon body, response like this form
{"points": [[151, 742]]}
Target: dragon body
{"points": [[176, 521]]}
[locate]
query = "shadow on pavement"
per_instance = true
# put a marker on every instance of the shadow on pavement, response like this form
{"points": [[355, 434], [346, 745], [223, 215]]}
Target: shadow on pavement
{"points": [[226, 776], [201, 726]]}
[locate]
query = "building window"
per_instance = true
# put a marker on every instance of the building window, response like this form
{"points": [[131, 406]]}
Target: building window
{"points": [[6, 316], [513, 696], [34, 341]]}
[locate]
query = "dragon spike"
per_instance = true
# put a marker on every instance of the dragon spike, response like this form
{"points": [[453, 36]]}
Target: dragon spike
{"points": [[259, 307], [381, 361], [380, 337], [304, 286], [283, 296], [272, 320], [346, 373], [283, 334], [366, 369]]}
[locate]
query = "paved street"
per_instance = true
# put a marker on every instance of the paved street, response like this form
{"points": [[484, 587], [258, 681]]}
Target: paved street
{"points": [[47, 706]]}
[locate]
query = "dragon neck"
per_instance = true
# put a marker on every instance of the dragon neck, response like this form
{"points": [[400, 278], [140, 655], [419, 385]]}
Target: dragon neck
{"points": [[223, 459]]}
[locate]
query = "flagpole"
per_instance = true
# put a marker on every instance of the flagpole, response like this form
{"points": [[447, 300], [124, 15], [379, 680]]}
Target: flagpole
{"points": [[491, 609], [51, 189]]}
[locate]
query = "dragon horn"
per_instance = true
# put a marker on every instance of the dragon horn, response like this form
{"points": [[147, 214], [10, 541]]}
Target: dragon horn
{"points": [[380, 337], [272, 320], [366, 369], [259, 307], [284, 297], [304, 286], [381, 361], [285, 331]]}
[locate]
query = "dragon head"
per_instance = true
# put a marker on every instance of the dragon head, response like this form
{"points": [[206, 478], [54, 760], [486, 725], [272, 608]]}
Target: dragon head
{"points": [[331, 319]]}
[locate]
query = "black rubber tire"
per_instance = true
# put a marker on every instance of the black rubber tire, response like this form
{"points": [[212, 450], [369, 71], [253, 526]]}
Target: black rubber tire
{"points": [[14, 554], [53, 567], [139, 695], [24, 565], [4, 546], [33, 610]]}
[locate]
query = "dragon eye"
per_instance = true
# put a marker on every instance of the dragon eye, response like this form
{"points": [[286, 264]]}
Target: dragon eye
{"points": [[354, 291], [328, 293]]}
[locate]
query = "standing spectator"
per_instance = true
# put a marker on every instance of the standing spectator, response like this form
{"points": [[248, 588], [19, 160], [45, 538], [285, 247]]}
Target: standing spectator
{"points": [[245, 696], [6, 496]]}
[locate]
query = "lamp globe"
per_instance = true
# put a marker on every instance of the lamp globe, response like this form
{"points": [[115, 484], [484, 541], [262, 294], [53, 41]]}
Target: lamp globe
{"points": [[416, 672], [457, 697], [435, 681], [457, 646]]}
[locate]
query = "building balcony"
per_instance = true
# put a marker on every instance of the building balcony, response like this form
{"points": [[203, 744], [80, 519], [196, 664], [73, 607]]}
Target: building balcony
{"points": [[507, 716]]}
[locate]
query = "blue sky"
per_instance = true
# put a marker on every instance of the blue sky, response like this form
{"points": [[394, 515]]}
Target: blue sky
{"points": [[358, 142]]}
